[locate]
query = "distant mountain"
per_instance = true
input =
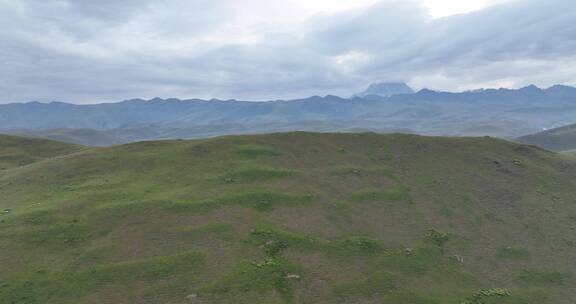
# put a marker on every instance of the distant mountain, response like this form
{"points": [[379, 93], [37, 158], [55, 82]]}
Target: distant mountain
{"points": [[561, 91], [559, 139], [378, 91], [504, 113]]}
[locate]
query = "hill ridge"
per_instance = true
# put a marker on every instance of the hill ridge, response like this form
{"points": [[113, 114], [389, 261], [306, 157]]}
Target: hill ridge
{"points": [[292, 218], [19, 151]]}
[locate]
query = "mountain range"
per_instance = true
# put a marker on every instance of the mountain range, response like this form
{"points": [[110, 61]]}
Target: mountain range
{"points": [[394, 107]]}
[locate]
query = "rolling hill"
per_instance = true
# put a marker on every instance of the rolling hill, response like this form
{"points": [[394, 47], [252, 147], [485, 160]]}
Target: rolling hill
{"points": [[559, 139], [19, 151], [292, 218], [86, 137]]}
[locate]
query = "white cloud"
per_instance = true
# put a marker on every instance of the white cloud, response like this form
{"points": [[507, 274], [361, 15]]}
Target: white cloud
{"points": [[444, 8], [260, 49]]}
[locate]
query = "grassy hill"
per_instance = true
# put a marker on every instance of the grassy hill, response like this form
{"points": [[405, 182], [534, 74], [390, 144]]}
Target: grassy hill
{"points": [[292, 218], [85, 137], [560, 139], [19, 151]]}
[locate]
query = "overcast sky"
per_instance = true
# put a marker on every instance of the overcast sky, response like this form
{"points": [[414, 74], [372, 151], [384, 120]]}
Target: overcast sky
{"points": [[91, 51]]}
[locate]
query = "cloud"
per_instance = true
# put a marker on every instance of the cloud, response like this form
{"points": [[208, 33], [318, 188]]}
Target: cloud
{"points": [[86, 51], [510, 37]]}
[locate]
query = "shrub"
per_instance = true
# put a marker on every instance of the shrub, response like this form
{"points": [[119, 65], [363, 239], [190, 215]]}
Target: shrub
{"points": [[437, 238], [484, 294]]}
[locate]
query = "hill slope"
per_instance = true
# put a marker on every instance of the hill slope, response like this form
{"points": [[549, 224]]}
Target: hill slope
{"points": [[86, 137], [19, 151], [559, 139], [292, 218]]}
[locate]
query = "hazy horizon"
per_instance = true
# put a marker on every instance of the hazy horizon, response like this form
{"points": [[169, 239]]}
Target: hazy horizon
{"points": [[88, 102]]}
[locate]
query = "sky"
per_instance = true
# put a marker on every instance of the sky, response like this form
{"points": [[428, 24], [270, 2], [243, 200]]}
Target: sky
{"points": [[108, 50]]}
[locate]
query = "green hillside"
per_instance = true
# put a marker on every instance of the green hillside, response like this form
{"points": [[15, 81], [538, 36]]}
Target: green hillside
{"points": [[85, 137], [292, 218], [19, 151], [559, 139]]}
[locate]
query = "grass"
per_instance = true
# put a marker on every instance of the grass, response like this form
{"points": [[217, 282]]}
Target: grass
{"points": [[415, 261], [359, 172], [61, 235], [258, 200], [272, 274], [58, 286], [513, 253], [37, 218], [376, 284], [256, 151], [408, 296], [544, 277], [215, 228], [399, 195], [19, 151], [257, 174], [356, 245], [287, 218], [274, 241]]}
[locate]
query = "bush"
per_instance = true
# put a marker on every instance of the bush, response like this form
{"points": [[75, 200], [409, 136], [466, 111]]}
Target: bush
{"points": [[437, 238], [484, 294]]}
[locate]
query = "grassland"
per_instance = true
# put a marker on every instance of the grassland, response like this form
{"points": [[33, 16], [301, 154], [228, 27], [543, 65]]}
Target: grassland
{"points": [[19, 151], [290, 218]]}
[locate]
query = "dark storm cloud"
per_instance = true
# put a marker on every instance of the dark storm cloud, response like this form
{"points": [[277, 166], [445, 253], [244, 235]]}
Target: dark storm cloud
{"points": [[84, 51]]}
